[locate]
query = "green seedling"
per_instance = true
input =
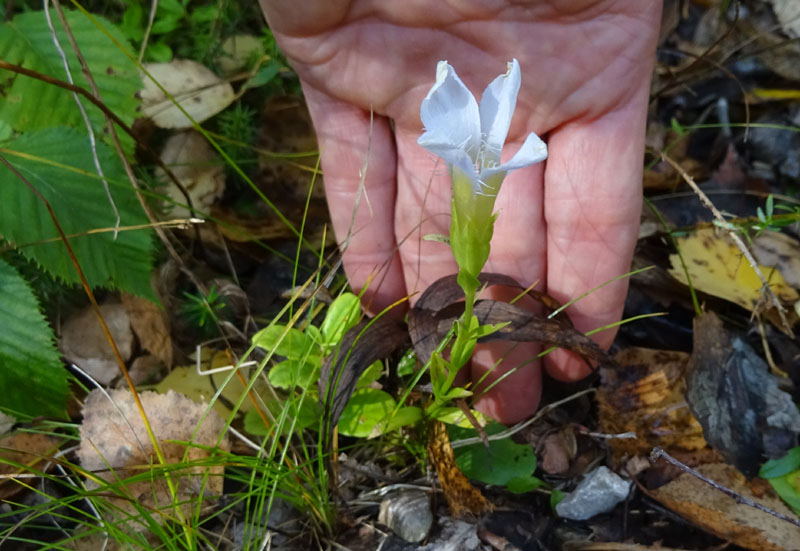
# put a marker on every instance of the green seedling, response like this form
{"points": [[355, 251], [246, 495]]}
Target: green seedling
{"points": [[204, 312], [370, 412]]}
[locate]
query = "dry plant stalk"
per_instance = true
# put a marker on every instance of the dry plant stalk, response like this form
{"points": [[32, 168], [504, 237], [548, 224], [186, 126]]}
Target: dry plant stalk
{"points": [[773, 300]]}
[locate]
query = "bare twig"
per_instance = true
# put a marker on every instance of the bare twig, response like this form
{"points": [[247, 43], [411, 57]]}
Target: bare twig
{"points": [[659, 453], [735, 238], [515, 429], [92, 140]]}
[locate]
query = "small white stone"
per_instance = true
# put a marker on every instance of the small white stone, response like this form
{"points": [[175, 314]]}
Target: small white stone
{"points": [[599, 492]]}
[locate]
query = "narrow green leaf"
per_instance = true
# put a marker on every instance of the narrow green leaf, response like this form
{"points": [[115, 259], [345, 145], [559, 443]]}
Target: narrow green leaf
{"points": [[58, 163], [33, 380]]}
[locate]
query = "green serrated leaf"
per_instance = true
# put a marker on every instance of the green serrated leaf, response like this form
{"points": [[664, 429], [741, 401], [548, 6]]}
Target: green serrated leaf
{"points": [[58, 163], [504, 461], [33, 380], [30, 104]]}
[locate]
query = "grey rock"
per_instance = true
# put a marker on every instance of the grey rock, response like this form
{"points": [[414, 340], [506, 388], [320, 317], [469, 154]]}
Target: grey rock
{"points": [[599, 492]]}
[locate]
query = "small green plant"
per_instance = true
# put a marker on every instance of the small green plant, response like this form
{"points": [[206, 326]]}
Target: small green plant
{"points": [[784, 476], [369, 412], [204, 312], [167, 34]]}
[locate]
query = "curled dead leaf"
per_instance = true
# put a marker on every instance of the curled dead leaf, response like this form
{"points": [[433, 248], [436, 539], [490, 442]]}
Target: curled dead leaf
{"points": [[438, 307], [84, 343]]}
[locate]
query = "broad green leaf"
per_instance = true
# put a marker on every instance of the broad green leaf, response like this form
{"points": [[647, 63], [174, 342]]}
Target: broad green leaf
{"points": [[786, 487], [33, 380], [306, 415], [779, 467], [294, 344], [504, 461], [294, 373], [366, 414], [371, 375], [30, 104], [58, 163], [342, 315], [405, 416]]}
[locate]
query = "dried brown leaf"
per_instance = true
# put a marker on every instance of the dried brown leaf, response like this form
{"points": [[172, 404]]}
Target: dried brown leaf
{"points": [[151, 327], [361, 346], [115, 446], [84, 343], [721, 515], [645, 395], [25, 448], [462, 497], [438, 307]]}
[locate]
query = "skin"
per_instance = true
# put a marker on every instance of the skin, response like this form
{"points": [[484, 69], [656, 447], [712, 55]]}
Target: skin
{"points": [[568, 224]]}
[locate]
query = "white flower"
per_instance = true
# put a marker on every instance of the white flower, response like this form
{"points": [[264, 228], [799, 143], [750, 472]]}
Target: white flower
{"points": [[471, 138]]}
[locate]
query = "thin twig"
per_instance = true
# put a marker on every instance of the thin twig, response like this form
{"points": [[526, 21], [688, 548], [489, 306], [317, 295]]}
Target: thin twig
{"points": [[96, 308], [735, 238], [659, 453], [87, 123], [515, 429]]}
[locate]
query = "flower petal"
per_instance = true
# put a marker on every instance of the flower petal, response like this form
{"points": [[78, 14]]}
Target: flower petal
{"points": [[455, 156], [450, 115], [497, 107], [533, 151]]}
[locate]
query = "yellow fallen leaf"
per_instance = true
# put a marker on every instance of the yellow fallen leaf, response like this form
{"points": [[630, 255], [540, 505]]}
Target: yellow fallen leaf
{"points": [[717, 267], [201, 388]]}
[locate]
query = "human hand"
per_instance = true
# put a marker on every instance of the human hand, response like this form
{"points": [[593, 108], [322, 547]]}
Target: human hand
{"points": [[569, 224]]}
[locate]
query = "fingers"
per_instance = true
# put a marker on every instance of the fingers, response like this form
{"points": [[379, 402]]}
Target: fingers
{"points": [[423, 208], [518, 250], [362, 217], [592, 208]]}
